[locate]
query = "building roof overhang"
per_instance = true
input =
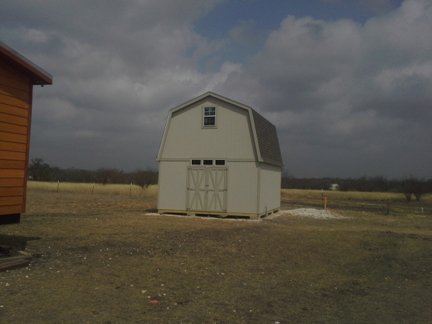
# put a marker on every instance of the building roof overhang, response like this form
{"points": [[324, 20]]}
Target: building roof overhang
{"points": [[36, 73]]}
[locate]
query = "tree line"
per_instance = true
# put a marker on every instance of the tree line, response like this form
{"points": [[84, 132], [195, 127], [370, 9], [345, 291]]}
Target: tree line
{"points": [[411, 187], [39, 170]]}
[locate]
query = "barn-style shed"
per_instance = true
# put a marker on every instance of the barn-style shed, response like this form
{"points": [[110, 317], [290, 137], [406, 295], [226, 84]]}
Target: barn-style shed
{"points": [[219, 157], [17, 77]]}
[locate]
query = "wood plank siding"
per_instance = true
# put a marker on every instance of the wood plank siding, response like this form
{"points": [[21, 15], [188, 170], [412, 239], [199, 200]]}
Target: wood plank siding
{"points": [[17, 77], [15, 108]]}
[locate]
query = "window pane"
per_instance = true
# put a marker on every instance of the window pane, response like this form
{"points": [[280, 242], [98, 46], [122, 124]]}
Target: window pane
{"points": [[196, 162], [209, 116], [208, 162], [220, 162], [209, 111], [209, 121]]}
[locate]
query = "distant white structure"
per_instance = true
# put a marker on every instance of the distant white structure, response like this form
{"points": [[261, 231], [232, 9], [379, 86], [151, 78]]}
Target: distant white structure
{"points": [[219, 157], [334, 186]]}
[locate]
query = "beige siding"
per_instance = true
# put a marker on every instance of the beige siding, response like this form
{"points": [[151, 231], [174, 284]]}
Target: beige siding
{"points": [[269, 184], [252, 187], [242, 187], [172, 185], [230, 139]]}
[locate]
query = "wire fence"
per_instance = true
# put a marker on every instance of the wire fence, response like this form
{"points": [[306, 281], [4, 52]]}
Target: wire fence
{"points": [[93, 188], [391, 205]]}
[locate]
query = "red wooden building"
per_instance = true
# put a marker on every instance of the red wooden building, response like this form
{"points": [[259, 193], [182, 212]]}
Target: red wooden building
{"points": [[17, 77]]}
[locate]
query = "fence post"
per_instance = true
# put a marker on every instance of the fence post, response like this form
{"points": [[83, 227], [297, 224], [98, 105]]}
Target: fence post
{"points": [[325, 202], [92, 190], [130, 189], [58, 185]]}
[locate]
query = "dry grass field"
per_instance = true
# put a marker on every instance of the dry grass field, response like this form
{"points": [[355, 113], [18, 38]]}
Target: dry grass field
{"points": [[98, 258]]}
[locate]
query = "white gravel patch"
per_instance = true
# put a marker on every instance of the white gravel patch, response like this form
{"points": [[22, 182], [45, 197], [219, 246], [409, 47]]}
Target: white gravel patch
{"points": [[308, 212], [300, 212], [210, 218]]}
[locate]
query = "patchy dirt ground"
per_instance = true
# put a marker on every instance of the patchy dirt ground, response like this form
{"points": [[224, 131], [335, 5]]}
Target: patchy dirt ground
{"points": [[99, 258]]}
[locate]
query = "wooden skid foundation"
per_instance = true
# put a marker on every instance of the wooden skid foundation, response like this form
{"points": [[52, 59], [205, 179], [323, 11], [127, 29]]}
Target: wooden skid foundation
{"points": [[215, 213]]}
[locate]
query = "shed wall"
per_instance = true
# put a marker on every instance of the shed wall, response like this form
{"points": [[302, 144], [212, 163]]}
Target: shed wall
{"points": [[15, 115], [252, 187], [172, 185], [270, 186], [230, 139], [242, 187]]}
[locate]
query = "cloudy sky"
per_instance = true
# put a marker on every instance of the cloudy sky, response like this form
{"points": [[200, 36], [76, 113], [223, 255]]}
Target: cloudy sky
{"points": [[348, 83]]}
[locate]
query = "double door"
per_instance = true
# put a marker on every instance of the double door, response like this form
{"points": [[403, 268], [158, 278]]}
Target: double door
{"points": [[207, 189]]}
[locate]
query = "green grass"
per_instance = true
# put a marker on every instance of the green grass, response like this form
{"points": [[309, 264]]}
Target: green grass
{"points": [[100, 259]]}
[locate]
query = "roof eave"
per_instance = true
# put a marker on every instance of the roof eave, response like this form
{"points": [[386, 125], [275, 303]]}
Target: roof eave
{"points": [[38, 75], [209, 94], [272, 163]]}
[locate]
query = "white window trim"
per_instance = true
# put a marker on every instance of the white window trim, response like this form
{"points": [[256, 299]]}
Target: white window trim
{"points": [[213, 164], [203, 116], [191, 162]]}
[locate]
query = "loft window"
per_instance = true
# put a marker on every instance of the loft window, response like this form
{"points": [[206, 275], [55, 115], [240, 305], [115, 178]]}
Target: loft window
{"points": [[209, 117], [208, 162], [220, 162], [196, 162]]}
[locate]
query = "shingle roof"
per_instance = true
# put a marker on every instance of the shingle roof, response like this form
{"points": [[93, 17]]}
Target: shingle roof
{"points": [[266, 140]]}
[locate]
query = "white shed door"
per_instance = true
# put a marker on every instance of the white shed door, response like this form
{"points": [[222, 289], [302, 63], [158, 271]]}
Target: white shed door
{"points": [[207, 189]]}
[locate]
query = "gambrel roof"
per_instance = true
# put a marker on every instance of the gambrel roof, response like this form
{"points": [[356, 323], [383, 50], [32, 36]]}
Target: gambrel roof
{"points": [[264, 133], [268, 142]]}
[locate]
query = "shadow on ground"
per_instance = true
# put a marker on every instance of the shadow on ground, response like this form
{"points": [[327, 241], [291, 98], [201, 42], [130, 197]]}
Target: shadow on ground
{"points": [[11, 244]]}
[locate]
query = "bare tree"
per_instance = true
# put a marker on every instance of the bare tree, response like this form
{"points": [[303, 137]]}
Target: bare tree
{"points": [[144, 178], [413, 187]]}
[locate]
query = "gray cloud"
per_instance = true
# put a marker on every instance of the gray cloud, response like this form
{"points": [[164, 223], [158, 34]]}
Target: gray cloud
{"points": [[117, 69], [348, 99], [375, 6]]}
